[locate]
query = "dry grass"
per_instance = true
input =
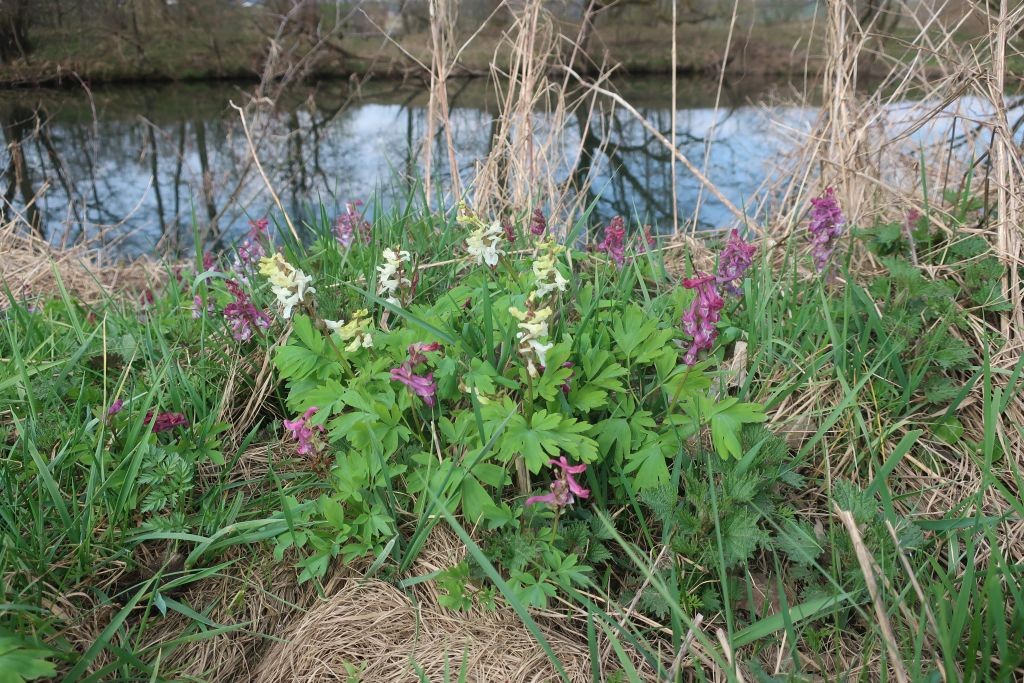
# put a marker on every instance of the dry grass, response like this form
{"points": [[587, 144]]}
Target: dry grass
{"points": [[31, 268], [286, 633]]}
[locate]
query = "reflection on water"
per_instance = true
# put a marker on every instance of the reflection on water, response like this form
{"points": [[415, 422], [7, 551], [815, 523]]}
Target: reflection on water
{"points": [[147, 168]]}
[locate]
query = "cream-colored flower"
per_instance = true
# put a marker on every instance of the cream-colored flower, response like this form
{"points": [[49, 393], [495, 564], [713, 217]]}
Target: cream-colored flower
{"points": [[289, 284], [356, 331], [392, 275], [545, 269], [484, 243], [532, 335]]}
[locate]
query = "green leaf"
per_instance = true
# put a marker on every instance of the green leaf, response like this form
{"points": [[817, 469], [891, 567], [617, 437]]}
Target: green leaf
{"points": [[727, 423], [20, 661], [587, 398], [776, 622], [310, 337], [333, 512], [295, 362], [476, 502], [649, 465], [547, 435]]}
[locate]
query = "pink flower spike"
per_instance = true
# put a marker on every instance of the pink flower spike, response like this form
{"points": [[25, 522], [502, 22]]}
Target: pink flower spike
{"points": [[351, 222], [252, 249], [566, 467], [115, 407], [165, 421], [241, 315], [417, 350], [701, 319], [548, 498], [825, 228], [303, 433], [538, 223], [736, 258], [423, 386], [614, 242], [510, 231], [566, 476]]}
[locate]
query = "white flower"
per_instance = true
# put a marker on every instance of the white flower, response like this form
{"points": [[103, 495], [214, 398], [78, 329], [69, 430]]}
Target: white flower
{"points": [[545, 270], [533, 328], [289, 284], [541, 350], [391, 274], [484, 243], [287, 298], [356, 331]]}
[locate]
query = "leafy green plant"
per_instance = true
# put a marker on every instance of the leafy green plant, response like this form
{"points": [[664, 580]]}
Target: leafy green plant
{"points": [[20, 661]]}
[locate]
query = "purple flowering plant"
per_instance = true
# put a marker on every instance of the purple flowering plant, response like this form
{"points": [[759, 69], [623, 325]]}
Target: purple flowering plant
{"points": [[504, 393], [825, 228]]}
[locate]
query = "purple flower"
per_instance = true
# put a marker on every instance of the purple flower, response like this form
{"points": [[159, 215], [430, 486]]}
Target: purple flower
{"points": [[614, 242], [208, 261], [423, 386], [252, 249], [567, 385], [700, 321], [825, 228], [538, 224], [115, 407], [510, 231], [165, 421], [646, 241], [736, 258], [305, 434], [349, 223], [564, 489], [198, 310], [242, 315], [417, 350]]}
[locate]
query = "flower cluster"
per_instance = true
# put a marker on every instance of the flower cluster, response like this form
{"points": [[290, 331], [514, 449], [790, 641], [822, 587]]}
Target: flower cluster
{"points": [[614, 242], [288, 283], [825, 228], [646, 241], [564, 489], [417, 350], [165, 421], [392, 278], [355, 333], [538, 224], [252, 249], [734, 261], [545, 270], [532, 335], [198, 309], [484, 242], [308, 436], [423, 386], [241, 315], [510, 231], [115, 407], [351, 222], [701, 319]]}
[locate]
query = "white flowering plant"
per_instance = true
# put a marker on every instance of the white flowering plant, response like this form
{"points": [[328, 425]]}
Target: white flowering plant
{"points": [[514, 385]]}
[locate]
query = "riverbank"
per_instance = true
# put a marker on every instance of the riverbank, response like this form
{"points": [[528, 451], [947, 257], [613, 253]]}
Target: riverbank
{"points": [[220, 487], [93, 55]]}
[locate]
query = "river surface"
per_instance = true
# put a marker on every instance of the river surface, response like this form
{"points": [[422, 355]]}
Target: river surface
{"points": [[146, 169]]}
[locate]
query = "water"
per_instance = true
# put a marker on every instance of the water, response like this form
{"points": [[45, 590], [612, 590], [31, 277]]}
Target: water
{"points": [[145, 168]]}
